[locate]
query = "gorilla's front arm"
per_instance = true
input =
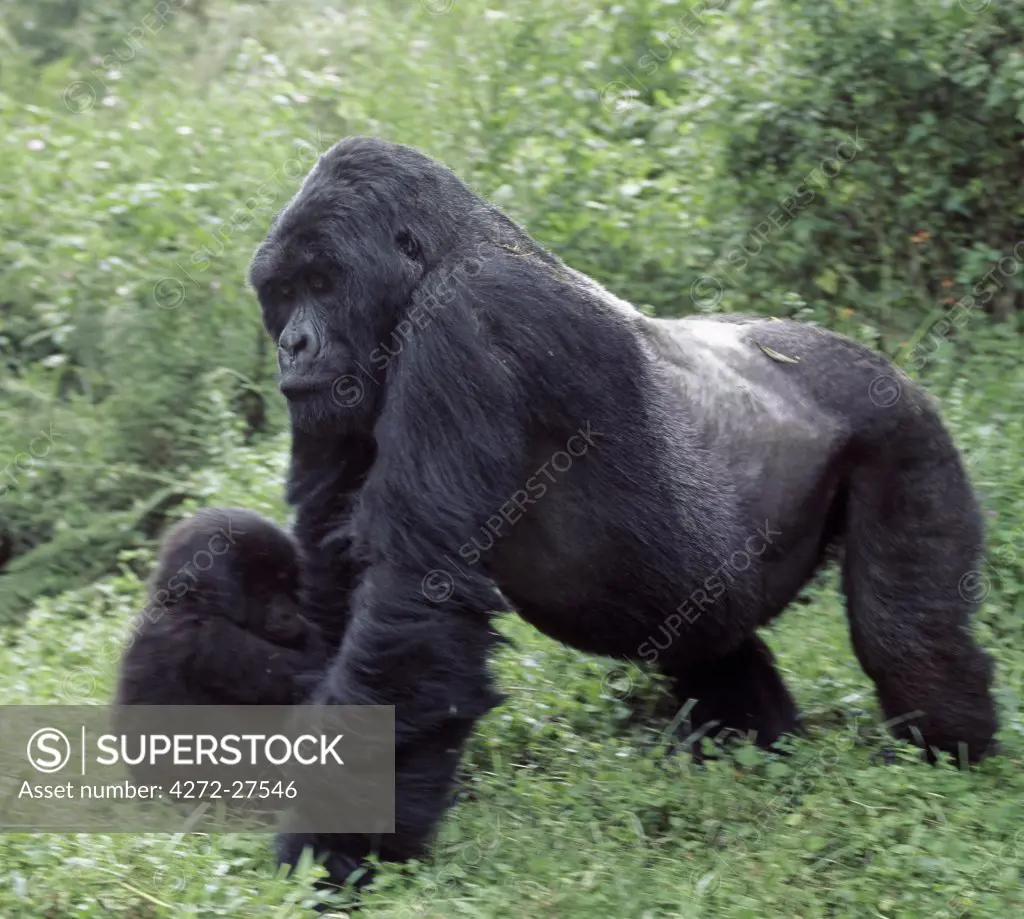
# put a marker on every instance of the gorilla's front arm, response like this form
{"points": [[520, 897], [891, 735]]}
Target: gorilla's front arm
{"points": [[449, 445], [232, 664]]}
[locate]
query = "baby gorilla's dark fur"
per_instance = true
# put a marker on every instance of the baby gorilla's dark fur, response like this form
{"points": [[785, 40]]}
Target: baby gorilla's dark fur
{"points": [[222, 625]]}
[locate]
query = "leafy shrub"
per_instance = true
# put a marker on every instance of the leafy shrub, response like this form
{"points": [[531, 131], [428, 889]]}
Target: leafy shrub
{"points": [[852, 164]]}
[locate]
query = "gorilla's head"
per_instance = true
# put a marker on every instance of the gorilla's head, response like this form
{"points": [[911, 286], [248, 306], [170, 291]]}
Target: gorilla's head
{"points": [[341, 263], [232, 562]]}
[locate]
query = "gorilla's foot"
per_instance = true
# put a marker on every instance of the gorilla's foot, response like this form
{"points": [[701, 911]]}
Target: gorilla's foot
{"points": [[345, 872], [739, 695]]}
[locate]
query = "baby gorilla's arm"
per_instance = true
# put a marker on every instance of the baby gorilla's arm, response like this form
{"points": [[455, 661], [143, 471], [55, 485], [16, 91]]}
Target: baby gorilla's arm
{"points": [[245, 669]]}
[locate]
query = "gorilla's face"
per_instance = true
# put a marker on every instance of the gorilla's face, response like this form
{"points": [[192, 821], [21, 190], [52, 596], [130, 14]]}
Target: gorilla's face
{"points": [[333, 278], [284, 625], [339, 267]]}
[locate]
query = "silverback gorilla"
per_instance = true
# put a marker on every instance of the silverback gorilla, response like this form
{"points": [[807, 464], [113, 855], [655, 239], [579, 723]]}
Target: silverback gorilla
{"points": [[478, 427]]}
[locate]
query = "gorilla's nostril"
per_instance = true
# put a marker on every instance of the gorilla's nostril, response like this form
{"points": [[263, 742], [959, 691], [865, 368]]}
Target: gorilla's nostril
{"points": [[293, 342]]}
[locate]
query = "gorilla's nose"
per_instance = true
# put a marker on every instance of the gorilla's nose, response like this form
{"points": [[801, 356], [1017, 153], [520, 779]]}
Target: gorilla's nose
{"points": [[295, 349], [293, 342]]}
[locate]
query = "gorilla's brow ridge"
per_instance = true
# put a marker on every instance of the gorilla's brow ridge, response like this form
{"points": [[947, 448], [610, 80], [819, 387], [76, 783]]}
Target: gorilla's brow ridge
{"points": [[293, 259]]}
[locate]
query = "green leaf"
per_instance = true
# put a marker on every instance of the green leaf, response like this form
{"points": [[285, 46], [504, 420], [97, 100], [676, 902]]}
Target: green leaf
{"points": [[777, 356], [828, 281]]}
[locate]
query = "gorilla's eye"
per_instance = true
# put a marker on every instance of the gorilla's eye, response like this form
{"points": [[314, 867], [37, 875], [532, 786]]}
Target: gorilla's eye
{"points": [[407, 244], [285, 290], [317, 282]]}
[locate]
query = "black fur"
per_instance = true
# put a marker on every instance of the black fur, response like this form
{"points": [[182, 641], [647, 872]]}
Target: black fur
{"points": [[478, 427], [222, 624]]}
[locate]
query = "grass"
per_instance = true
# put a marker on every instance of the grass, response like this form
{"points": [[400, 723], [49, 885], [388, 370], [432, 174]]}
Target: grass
{"points": [[572, 807]]}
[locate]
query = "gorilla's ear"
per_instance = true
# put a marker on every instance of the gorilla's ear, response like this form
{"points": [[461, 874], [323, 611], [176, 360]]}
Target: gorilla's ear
{"points": [[409, 246]]}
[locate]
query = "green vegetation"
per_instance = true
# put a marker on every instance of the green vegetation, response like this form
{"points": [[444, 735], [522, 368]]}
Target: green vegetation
{"points": [[853, 164]]}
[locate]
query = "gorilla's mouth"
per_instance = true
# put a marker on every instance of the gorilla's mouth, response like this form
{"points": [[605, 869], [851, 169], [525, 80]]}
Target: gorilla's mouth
{"points": [[296, 386]]}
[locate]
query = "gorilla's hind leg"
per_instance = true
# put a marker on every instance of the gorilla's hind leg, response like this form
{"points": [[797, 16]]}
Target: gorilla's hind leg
{"points": [[740, 693], [913, 543]]}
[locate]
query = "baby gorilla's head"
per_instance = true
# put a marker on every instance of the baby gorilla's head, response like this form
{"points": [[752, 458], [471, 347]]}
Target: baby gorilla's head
{"points": [[240, 565]]}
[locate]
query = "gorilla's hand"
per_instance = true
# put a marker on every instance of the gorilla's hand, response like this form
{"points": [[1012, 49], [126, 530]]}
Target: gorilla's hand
{"points": [[244, 668]]}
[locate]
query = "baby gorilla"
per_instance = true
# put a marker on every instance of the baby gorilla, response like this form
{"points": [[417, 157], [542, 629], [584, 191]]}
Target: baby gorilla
{"points": [[222, 625]]}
